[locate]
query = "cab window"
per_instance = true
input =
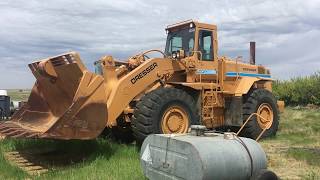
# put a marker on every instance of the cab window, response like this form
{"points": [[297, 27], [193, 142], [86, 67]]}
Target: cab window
{"points": [[205, 45], [182, 39], [191, 45], [176, 44]]}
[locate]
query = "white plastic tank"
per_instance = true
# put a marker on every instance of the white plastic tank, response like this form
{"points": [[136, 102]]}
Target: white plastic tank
{"points": [[208, 156], [3, 93], [15, 104]]}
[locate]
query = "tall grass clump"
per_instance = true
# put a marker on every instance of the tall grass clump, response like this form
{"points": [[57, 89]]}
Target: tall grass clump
{"points": [[299, 91]]}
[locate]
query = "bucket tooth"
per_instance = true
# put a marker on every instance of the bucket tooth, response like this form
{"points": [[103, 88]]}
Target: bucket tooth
{"points": [[3, 128], [12, 130], [6, 126], [19, 131], [7, 131], [23, 134], [32, 135]]}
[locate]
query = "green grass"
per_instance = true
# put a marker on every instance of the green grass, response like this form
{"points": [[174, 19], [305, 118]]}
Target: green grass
{"points": [[300, 127], [96, 159], [19, 95], [310, 155]]}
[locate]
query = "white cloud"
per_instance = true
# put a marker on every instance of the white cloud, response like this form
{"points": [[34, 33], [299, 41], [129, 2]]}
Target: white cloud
{"points": [[286, 32]]}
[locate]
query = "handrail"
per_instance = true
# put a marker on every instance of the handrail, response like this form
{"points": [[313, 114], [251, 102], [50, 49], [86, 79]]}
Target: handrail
{"points": [[152, 50], [249, 118], [199, 61], [237, 69]]}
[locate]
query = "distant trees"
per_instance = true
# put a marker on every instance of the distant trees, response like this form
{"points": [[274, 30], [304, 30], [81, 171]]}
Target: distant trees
{"points": [[299, 91]]}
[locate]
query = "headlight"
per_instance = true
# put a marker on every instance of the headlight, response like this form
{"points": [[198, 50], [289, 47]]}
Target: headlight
{"points": [[174, 55]]}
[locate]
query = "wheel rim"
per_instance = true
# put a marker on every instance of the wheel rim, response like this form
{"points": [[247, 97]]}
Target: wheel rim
{"points": [[174, 120], [265, 118]]}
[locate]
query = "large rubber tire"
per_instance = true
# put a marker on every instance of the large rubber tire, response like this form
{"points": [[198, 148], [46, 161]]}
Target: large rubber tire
{"points": [[122, 133], [118, 134], [151, 107], [264, 174], [251, 104]]}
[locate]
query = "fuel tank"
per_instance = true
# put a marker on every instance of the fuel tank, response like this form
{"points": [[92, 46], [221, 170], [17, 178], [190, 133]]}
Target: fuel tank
{"points": [[206, 156]]}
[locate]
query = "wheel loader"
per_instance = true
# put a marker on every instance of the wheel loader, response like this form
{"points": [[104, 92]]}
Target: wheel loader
{"points": [[185, 85]]}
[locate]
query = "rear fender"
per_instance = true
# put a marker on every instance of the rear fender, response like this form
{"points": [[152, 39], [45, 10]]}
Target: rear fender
{"points": [[244, 84]]}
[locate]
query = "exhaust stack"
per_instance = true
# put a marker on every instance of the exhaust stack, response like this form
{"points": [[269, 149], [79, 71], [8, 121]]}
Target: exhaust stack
{"points": [[252, 52]]}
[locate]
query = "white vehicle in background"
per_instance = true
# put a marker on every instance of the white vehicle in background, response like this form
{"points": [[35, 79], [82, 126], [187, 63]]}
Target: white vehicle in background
{"points": [[5, 110], [8, 107]]}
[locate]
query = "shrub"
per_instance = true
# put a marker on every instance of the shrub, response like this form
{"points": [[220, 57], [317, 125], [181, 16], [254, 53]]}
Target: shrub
{"points": [[299, 91]]}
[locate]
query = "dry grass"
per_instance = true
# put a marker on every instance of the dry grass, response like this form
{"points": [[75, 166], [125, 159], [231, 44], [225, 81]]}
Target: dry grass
{"points": [[295, 152]]}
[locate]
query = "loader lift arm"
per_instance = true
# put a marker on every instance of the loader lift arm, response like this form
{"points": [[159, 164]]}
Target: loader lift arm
{"points": [[131, 85]]}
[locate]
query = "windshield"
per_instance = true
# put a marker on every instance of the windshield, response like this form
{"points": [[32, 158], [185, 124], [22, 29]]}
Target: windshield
{"points": [[98, 68], [181, 39]]}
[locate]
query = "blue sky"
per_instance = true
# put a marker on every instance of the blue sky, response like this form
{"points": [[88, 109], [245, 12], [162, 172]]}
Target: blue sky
{"points": [[287, 32]]}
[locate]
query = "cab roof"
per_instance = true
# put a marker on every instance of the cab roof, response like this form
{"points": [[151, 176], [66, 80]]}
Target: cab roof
{"points": [[196, 24]]}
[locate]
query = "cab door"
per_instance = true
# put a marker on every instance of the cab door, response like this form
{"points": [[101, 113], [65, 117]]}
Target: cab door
{"points": [[206, 67]]}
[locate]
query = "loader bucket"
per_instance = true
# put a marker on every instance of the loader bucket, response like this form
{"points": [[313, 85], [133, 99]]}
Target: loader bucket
{"points": [[66, 102]]}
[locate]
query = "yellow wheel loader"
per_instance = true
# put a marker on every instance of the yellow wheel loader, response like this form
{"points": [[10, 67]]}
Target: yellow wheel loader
{"points": [[187, 84]]}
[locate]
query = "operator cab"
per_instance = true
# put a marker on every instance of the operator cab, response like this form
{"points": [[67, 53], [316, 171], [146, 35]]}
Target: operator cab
{"points": [[190, 38]]}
